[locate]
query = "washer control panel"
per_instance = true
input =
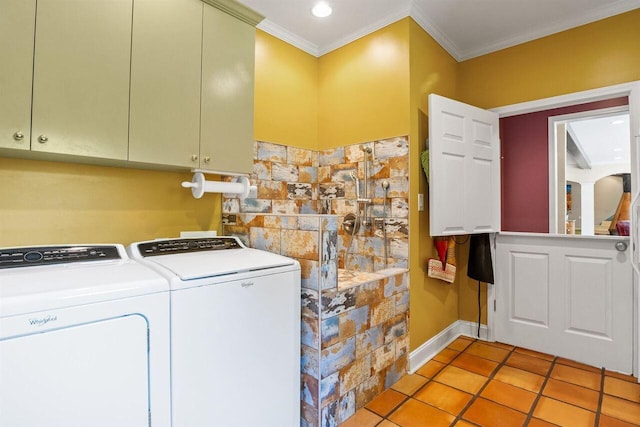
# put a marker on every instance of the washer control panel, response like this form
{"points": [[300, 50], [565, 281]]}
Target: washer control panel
{"points": [[164, 247], [46, 255]]}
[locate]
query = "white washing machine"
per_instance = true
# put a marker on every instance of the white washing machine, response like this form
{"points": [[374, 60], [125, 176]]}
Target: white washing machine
{"points": [[235, 332], [84, 339]]}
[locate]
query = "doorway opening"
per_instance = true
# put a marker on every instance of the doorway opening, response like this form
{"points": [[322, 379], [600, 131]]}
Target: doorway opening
{"points": [[589, 163]]}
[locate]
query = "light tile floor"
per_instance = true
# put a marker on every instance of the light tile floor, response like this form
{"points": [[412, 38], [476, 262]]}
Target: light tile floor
{"points": [[475, 383]]}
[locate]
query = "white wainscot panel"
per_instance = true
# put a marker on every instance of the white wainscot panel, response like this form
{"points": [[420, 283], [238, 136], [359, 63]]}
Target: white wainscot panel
{"points": [[454, 173], [479, 194], [589, 296], [482, 133], [453, 127], [530, 284]]}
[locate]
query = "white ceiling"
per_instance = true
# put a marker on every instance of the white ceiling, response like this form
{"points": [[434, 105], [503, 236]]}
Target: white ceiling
{"points": [[603, 140], [465, 28]]}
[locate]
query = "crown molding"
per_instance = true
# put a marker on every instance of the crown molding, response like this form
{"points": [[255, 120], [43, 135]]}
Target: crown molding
{"points": [[237, 10], [289, 37], [317, 51], [578, 20], [423, 20], [388, 20]]}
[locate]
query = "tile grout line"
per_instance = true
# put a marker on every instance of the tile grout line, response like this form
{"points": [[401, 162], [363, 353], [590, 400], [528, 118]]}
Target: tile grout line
{"points": [[407, 397], [539, 394], [489, 379], [600, 396], [529, 414], [386, 417], [429, 380]]}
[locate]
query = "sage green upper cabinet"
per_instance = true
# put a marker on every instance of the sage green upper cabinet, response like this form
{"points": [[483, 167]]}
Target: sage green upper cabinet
{"points": [[81, 77], [17, 24], [165, 82], [226, 138]]}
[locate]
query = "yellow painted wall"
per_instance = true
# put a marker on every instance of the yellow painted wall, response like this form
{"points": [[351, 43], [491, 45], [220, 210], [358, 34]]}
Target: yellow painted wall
{"points": [[47, 203], [364, 88], [286, 94], [371, 89], [599, 54], [433, 303]]}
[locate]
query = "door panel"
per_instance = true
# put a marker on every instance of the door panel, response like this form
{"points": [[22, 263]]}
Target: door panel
{"points": [[81, 78], [94, 374], [228, 61], [589, 285], [17, 27], [568, 297], [530, 297], [221, 328], [166, 63], [464, 164]]}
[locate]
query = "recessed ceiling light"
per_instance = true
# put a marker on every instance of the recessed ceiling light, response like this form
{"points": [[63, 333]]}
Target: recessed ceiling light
{"points": [[617, 122], [321, 9]]}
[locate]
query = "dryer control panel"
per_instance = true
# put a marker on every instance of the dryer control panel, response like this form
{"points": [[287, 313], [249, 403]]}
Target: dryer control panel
{"points": [[46, 255], [175, 246]]}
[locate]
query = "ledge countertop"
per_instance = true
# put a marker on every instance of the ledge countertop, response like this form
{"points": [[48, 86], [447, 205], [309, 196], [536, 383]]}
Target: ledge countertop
{"points": [[561, 236]]}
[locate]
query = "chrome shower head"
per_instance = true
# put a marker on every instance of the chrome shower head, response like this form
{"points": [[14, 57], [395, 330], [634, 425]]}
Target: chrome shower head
{"points": [[355, 179]]}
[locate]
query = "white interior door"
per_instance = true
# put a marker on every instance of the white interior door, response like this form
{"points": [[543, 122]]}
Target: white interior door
{"points": [[568, 297], [634, 118], [464, 168], [574, 298]]}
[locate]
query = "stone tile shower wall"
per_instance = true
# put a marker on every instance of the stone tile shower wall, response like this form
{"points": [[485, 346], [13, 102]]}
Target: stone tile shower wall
{"points": [[364, 344], [354, 330], [299, 181], [389, 162]]}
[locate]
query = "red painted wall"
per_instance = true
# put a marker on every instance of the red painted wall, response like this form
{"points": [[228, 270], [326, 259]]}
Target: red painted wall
{"points": [[525, 166]]}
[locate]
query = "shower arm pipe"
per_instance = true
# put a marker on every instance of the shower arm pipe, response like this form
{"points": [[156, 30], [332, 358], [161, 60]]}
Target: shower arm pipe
{"points": [[385, 188]]}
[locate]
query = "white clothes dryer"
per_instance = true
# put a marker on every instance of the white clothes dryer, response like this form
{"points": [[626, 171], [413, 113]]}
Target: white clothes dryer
{"points": [[235, 332], [84, 339]]}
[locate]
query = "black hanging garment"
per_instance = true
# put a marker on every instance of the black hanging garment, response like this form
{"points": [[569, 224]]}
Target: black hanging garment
{"points": [[480, 266]]}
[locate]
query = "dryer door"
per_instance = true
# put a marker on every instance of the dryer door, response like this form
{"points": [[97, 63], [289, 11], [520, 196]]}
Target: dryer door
{"points": [[93, 374]]}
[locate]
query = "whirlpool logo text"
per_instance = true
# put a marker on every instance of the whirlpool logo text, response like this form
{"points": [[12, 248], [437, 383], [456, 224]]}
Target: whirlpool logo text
{"points": [[41, 321]]}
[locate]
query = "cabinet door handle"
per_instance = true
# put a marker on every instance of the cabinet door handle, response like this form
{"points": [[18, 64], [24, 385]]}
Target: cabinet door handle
{"points": [[207, 159], [18, 136], [194, 157], [42, 139]]}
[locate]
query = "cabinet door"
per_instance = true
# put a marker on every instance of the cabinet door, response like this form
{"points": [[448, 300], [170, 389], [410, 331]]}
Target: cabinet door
{"points": [[81, 77], [226, 140], [17, 27], [165, 82]]}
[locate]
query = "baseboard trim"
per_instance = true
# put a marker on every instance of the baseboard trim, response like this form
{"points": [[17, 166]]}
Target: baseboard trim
{"points": [[429, 349]]}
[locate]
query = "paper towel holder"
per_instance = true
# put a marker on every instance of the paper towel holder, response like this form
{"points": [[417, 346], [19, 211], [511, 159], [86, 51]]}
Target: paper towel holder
{"points": [[238, 187]]}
